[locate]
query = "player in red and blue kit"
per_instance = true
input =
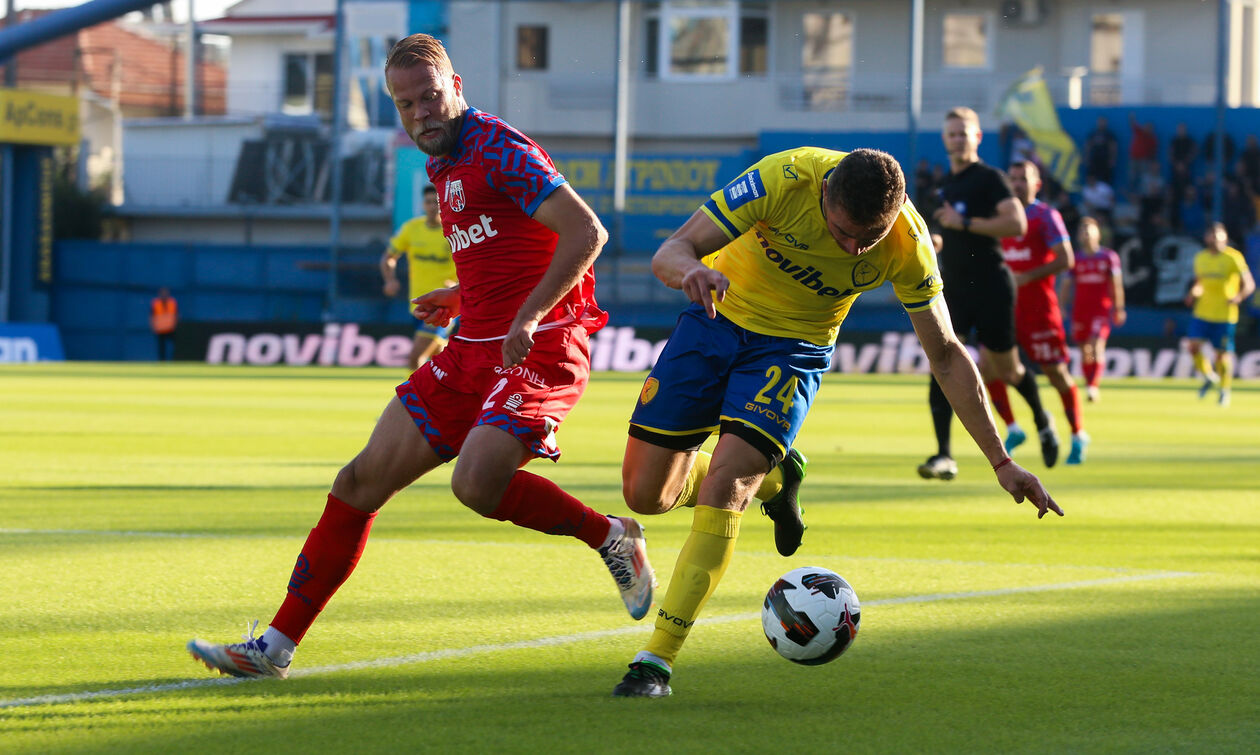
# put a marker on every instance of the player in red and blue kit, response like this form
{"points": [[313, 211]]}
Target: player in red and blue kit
{"points": [[1096, 304], [523, 244], [1036, 258]]}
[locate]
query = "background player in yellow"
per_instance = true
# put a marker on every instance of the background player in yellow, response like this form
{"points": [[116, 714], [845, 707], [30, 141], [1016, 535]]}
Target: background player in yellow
{"points": [[799, 235], [1222, 281], [429, 267]]}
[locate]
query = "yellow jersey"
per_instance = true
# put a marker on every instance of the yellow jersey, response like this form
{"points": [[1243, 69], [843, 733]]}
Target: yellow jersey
{"points": [[1221, 278], [429, 261], [788, 275]]}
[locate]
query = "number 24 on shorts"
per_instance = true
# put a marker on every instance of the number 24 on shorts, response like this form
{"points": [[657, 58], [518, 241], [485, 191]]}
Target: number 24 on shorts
{"points": [[786, 394]]}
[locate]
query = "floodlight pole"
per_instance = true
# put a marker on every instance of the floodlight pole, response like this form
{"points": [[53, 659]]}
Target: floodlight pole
{"points": [[334, 154], [914, 104], [1222, 63], [10, 69], [621, 127], [190, 66]]}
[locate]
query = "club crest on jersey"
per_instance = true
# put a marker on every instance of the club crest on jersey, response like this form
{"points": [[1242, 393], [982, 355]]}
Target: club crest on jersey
{"points": [[864, 274], [455, 195]]}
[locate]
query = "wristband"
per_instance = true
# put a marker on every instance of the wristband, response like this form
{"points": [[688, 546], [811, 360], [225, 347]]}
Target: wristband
{"points": [[967, 225], [1001, 463]]}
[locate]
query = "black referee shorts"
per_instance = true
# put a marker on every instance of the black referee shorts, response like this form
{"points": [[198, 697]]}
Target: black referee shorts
{"points": [[983, 301]]}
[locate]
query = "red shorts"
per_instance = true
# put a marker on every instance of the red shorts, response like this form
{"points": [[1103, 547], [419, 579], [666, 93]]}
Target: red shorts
{"points": [[466, 385], [1040, 334], [1089, 327]]}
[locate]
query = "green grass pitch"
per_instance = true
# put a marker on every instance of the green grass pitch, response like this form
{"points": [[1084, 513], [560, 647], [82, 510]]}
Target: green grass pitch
{"points": [[142, 505]]}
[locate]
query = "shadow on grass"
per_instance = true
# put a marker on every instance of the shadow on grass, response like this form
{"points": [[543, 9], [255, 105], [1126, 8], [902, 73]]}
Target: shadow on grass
{"points": [[1178, 676]]}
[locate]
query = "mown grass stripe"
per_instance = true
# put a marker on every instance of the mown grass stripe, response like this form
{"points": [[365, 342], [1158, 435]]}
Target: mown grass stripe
{"points": [[565, 639]]}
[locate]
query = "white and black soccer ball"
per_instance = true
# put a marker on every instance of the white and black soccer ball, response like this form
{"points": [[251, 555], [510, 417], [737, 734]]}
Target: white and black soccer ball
{"points": [[811, 615]]}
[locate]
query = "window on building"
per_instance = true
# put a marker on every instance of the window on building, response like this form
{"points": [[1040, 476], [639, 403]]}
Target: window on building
{"points": [[966, 40], [699, 39], [531, 48], [754, 44], [827, 42], [1106, 57], [308, 83], [1106, 43], [826, 59]]}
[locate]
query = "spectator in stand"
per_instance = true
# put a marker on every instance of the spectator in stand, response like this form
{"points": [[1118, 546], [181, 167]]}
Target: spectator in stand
{"points": [[1251, 162], [1191, 215], [1152, 192], [1209, 149], [1207, 188], [1181, 154], [1067, 210], [1182, 150], [1179, 180], [1101, 151], [1143, 151], [1098, 198], [1237, 211], [928, 203], [923, 184]]}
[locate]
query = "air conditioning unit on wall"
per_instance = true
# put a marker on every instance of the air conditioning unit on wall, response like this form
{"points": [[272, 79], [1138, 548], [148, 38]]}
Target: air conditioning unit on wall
{"points": [[1023, 12]]}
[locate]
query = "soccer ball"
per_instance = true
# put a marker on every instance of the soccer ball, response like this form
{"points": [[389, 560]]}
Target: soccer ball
{"points": [[811, 615]]}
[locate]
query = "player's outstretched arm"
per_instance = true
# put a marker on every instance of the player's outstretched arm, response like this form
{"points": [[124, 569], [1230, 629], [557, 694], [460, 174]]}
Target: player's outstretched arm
{"points": [[582, 237], [389, 272], [438, 307], [960, 380], [677, 262], [1247, 286], [1118, 315]]}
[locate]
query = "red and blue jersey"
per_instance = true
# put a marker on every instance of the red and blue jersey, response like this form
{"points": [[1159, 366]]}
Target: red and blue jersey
{"points": [[1094, 289], [489, 187], [1034, 249]]}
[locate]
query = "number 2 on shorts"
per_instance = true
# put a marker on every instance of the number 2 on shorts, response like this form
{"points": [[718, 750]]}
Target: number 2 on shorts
{"points": [[786, 395], [490, 398]]}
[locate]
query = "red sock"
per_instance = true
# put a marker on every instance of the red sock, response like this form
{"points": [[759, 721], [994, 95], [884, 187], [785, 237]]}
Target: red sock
{"points": [[329, 556], [997, 392], [539, 504], [1072, 407], [1090, 371]]}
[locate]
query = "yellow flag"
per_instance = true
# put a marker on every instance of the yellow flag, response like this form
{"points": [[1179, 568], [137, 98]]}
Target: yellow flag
{"points": [[1028, 104]]}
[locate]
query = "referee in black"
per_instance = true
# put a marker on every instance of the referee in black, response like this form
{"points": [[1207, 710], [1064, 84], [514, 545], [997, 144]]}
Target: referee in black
{"points": [[978, 209]]}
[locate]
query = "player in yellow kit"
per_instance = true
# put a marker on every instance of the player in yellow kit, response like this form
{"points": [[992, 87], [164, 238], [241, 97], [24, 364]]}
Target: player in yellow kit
{"points": [[798, 236], [429, 267], [1222, 281]]}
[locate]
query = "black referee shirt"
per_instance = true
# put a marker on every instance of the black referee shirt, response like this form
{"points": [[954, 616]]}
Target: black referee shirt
{"points": [[975, 192]]}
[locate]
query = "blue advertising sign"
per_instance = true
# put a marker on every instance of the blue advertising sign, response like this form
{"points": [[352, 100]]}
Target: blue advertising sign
{"points": [[30, 342]]}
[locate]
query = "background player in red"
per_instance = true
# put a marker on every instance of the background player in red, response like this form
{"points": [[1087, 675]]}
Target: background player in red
{"points": [[1035, 258], [1096, 303], [523, 244]]}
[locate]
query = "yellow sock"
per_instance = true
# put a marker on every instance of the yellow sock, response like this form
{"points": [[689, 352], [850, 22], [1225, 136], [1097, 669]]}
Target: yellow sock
{"points": [[1225, 368], [691, 487], [1201, 364], [701, 563], [771, 484]]}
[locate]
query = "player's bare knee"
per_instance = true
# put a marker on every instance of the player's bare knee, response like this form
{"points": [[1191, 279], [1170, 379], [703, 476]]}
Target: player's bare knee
{"points": [[644, 498], [475, 493], [347, 480]]}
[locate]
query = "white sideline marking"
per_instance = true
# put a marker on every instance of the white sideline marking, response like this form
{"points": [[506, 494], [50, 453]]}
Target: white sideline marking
{"points": [[500, 544], [541, 642]]}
